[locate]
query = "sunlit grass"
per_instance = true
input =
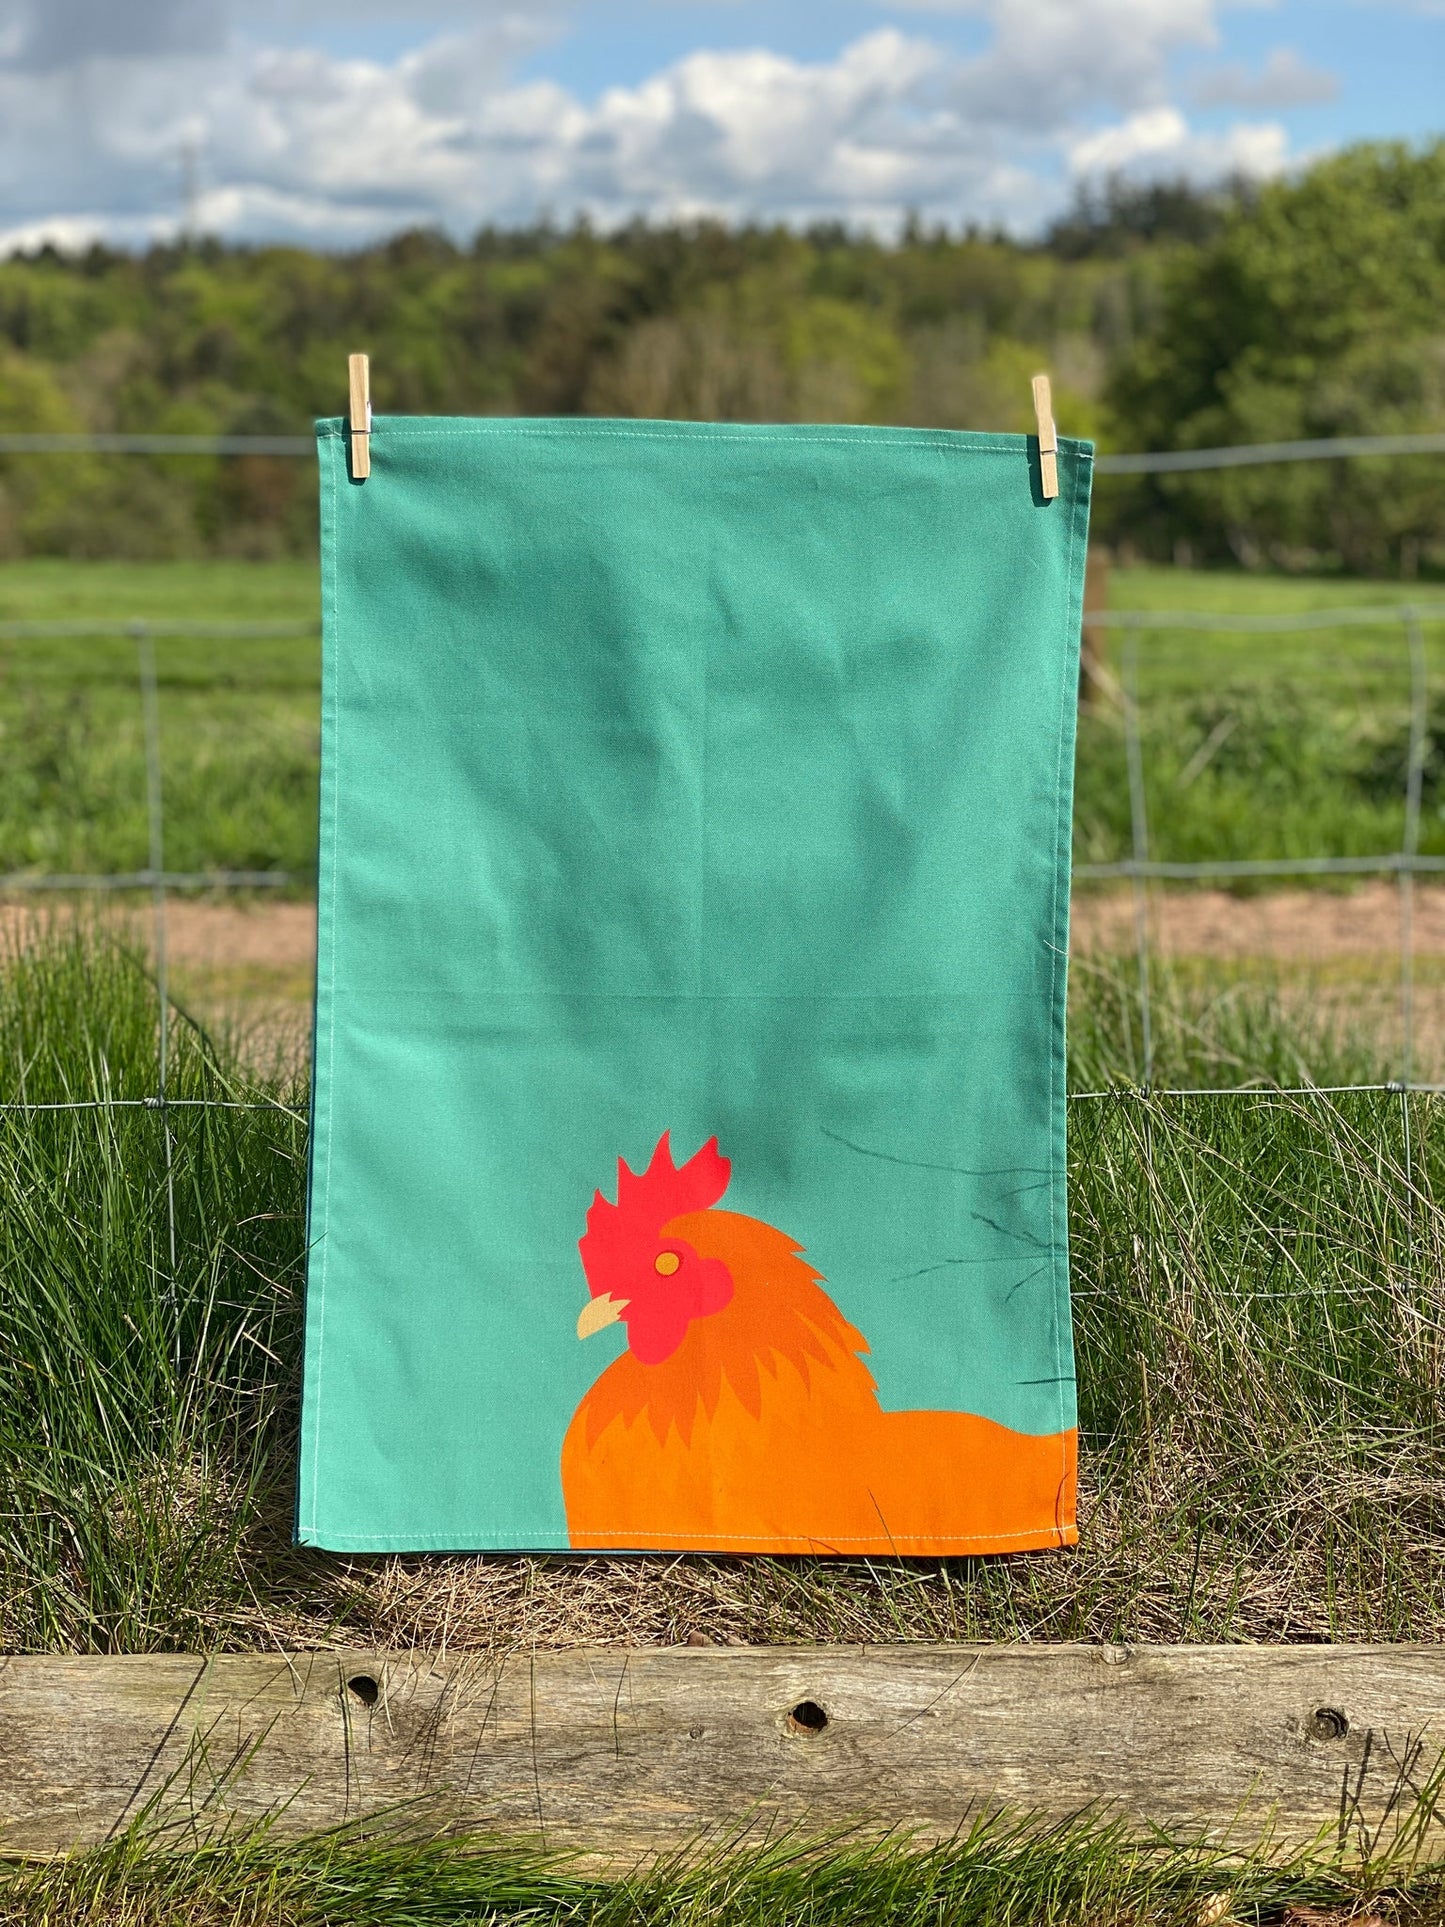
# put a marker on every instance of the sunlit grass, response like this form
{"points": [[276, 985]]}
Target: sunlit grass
{"points": [[1277, 746]]}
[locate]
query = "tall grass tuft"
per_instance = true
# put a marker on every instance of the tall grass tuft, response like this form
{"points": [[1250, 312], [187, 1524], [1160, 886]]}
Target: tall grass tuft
{"points": [[141, 1398]]}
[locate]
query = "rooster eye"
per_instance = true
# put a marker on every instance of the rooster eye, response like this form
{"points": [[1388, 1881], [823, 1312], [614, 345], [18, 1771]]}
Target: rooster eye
{"points": [[666, 1262]]}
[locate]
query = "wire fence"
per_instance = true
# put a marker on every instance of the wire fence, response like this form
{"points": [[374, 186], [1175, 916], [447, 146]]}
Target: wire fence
{"points": [[155, 878], [1140, 869]]}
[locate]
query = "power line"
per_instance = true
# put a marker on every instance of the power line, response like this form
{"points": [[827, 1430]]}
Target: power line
{"points": [[1251, 454], [157, 445]]}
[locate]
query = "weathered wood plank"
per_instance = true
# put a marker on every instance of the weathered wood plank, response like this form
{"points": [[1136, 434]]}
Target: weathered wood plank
{"points": [[618, 1752]]}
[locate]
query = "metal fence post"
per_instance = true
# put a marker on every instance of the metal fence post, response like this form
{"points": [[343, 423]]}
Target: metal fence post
{"points": [[150, 711], [1409, 854], [1139, 832]]}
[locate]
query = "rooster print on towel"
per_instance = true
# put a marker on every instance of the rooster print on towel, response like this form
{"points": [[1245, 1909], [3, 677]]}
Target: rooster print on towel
{"points": [[742, 1418]]}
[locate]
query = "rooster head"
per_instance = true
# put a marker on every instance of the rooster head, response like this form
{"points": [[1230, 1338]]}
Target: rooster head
{"points": [[654, 1284]]}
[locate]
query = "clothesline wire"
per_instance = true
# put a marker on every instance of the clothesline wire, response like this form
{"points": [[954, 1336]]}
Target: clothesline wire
{"points": [[1196, 621], [1160, 462]]}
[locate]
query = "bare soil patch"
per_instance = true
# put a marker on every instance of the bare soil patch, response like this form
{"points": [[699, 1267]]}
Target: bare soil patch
{"points": [[1288, 926], [268, 936], [1295, 926], [248, 967]]}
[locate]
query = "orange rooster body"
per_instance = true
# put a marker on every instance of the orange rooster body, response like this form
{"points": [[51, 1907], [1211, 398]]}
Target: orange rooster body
{"points": [[741, 1418]]}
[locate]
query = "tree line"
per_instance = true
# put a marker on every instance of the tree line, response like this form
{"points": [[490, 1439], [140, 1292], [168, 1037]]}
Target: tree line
{"points": [[1170, 317]]}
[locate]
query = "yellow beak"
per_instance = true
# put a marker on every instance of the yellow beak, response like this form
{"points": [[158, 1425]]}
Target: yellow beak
{"points": [[600, 1312]]}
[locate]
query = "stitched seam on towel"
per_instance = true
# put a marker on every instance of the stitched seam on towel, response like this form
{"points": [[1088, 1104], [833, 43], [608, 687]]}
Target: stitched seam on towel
{"points": [[1055, 1528], [801, 439], [729, 996], [334, 786], [1055, 1043], [742, 440]]}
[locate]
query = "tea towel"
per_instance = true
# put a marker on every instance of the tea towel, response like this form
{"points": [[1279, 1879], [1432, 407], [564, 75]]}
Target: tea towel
{"points": [[687, 1160]]}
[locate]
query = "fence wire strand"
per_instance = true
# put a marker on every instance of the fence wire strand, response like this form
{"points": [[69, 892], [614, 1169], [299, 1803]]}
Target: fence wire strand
{"points": [[1206, 622], [1164, 462], [150, 879], [26, 1107]]}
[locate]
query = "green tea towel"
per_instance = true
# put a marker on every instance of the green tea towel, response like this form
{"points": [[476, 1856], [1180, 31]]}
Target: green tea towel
{"points": [[688, 1148]]}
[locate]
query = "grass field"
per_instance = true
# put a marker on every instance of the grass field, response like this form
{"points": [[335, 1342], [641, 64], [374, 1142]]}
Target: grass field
{"points": [[1259, 1300], [1260, 1314], [1258, 1278], [1283, 745], [239, 720]]}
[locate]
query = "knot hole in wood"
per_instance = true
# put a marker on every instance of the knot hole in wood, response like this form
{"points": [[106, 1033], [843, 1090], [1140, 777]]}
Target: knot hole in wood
{"points": [[807, 1717]]}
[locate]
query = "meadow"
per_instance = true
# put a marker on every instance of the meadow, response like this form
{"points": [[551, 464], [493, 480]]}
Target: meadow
{"points": [[1259, 1309], [1282, 745], [1259, 1295]]}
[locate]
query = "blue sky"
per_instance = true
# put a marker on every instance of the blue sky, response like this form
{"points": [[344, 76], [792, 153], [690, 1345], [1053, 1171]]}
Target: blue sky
{"points": [[333, 121]]}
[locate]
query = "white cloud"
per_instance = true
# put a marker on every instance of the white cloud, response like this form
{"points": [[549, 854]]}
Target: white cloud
{"points": [[300, 142], [70, 233], [1283, 81], [1052, 59], [1159, 141]]}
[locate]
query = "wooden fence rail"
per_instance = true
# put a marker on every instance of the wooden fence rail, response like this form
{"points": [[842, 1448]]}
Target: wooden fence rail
{"points": [[620, 1752]]}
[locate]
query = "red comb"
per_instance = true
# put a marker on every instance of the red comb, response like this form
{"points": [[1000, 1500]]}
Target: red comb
{"points": [[648, 1200]]}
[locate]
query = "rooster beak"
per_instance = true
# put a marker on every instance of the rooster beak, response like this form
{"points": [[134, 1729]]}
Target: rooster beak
{"points": [[600, 1312]]}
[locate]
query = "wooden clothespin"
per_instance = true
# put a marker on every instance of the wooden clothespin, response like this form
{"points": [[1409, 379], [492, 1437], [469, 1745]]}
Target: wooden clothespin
{"points": [[359, 415], [1048, 437]]}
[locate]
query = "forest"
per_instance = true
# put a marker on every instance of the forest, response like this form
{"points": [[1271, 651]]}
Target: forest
{"points": [[1170, 317]]}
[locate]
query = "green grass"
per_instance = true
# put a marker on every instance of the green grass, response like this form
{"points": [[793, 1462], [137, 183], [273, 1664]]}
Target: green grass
{"points": [[1282, 745], [998, 1872], [1259, 1280], [47, 590], [142, 1401], [1275, 745], [1260, 1297], [239, 720]]}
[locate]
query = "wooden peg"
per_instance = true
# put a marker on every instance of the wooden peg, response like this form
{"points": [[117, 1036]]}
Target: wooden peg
{"points": [[1048, 437], [359, 415]]}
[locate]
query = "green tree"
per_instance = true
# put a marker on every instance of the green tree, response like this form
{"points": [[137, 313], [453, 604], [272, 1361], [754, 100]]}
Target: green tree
{"points": [[37, 492], [1318, 310]]}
